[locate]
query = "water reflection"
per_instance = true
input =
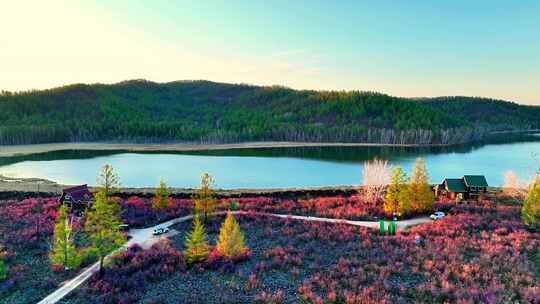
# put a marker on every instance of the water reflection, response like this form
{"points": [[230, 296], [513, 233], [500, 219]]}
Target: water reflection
{"points": [[277, 167]]}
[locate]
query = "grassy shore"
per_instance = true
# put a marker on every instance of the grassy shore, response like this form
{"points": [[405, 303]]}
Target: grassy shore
{"points": [[19, 150]]}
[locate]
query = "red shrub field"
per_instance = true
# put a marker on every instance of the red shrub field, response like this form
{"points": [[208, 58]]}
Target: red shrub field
{"points": [[481, 254], [132, 269], [138, 212], [477, 254], [353, 208], [26, 227]]}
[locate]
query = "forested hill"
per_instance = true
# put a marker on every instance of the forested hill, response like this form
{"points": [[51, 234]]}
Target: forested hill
{"points": [[489, 113], [208, 112]]}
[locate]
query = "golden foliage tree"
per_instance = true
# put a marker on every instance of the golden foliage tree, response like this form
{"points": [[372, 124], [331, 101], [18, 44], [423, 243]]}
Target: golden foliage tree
{"points": [[161, 200], [231, 242], [397, 199], [530, 212], [421, 195], [204, 198], [63, 251], [108, 181], [197, 249]]}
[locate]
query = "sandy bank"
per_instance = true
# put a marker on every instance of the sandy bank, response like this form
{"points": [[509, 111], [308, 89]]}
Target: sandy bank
{"points": [[17, 150], [9, 184], [21, 186]]}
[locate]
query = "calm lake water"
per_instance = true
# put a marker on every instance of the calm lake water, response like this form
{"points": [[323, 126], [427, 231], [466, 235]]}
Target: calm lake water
{"points": [[276, 167]]}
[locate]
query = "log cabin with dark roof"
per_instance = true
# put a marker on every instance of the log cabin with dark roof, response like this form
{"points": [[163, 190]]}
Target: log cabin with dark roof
{"points": [[466, 187], [77, 197]]}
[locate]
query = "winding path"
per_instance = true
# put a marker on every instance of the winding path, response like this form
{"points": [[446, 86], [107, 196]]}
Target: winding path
{"points": [[145, 239]]}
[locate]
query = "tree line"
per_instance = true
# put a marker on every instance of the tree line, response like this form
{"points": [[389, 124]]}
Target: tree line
{"points": [[207, 112]]}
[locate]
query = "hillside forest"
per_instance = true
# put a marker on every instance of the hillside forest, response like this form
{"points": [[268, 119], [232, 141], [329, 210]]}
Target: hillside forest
{"points": [[206, 112]]}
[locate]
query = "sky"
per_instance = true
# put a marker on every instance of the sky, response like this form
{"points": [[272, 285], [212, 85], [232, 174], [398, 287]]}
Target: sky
{"points": [[402, 48]]}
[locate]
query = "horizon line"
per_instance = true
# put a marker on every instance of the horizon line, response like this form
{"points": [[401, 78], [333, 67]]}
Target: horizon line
{"points": [[30, 90]]}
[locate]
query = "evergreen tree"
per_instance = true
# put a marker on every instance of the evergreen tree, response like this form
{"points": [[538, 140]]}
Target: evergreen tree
{"points": [[197, 249], [420, 194], [204, 198], [231, 240], [127, 111], [4, 269], [63, 251], [397, 198], [530, 212], [161, 200], [108, 181], [103, 227]]}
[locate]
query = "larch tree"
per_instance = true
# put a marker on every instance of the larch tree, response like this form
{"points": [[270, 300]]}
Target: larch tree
{"points": [[63, 251], [530, 212], [375, 177], [204, 198], [4, 269], [197, 249], [421, 195], [397, 200], [108, 181], [103, 227], [161, 200], [231, 241]]}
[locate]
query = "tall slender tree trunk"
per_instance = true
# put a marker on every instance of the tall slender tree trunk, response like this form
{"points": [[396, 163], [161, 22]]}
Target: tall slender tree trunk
{"points": [[65, 253], [101, 259]]}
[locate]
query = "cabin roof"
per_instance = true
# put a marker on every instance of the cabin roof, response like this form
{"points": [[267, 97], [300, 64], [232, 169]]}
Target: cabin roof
{"points": [[475, 181], [77, 193], [455, 185]]}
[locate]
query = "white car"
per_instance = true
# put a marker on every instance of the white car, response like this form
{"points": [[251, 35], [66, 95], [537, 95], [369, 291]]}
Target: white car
{"points": [[159, 231], [437, 215]]}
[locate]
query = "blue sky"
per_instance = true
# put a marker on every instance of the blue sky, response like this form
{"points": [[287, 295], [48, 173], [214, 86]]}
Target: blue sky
{"points": [[404, 48]]}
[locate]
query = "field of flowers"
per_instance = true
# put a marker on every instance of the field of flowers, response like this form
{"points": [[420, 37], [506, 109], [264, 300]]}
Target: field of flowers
{"points": [[480, 254]]}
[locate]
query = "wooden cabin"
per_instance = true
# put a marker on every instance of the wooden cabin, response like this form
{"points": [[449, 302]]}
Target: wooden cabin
{"points": [[476, 185], [77, 197], [466, 187]]}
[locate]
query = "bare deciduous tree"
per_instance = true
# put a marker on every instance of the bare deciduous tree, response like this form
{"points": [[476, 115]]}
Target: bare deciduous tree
{"points": [[513, 187], [376, 176]]}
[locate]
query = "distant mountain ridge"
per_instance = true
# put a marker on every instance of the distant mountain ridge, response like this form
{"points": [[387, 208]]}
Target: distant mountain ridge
{"points": [[210, 112]]}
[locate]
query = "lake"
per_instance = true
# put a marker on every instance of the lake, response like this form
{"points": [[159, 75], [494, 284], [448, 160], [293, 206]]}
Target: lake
{"points": [[276, 167]]}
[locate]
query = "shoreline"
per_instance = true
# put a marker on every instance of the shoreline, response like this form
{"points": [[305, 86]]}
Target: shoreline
{"points": [[15, 187], [22, 150], [28, 149]]}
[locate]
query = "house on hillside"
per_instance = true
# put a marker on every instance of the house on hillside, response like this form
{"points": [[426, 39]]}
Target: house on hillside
{"points": [[466, 187], [77, 197]]}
